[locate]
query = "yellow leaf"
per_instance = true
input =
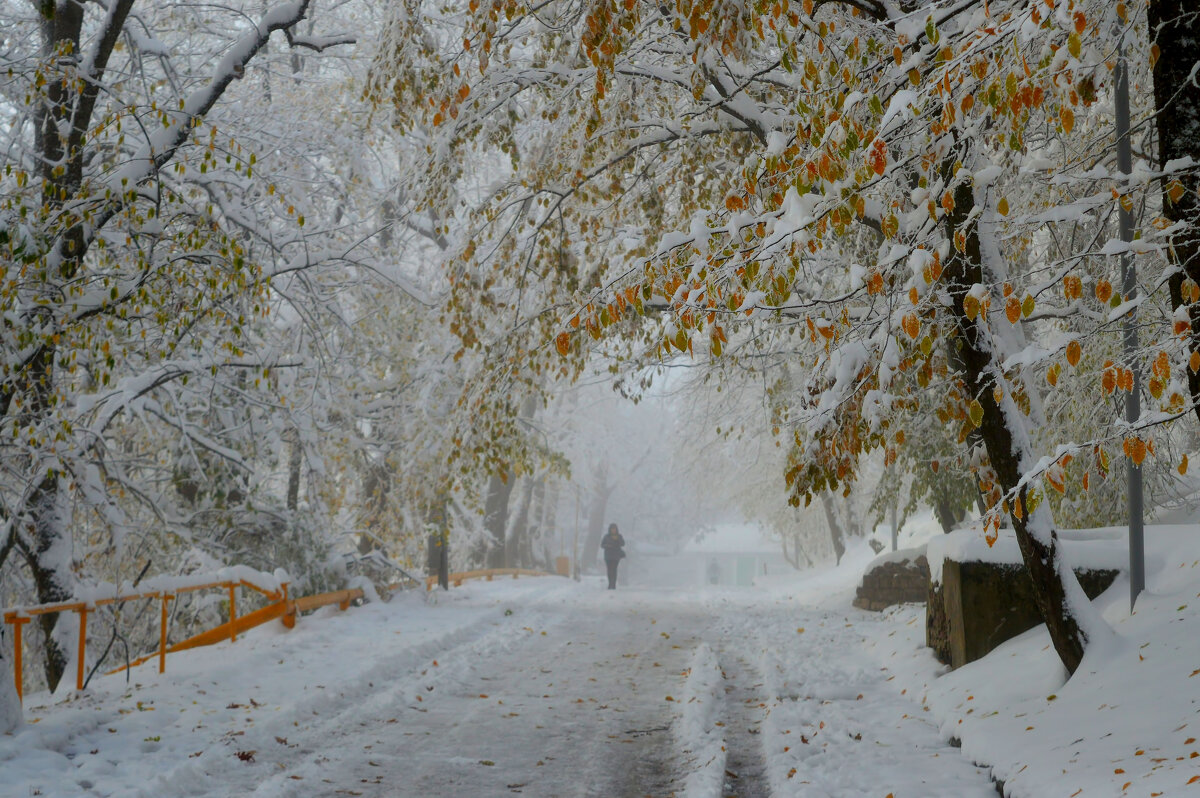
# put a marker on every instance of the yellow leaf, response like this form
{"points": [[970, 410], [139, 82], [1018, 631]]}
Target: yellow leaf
{"points": [[975, 412], [970, 306], [1074, 45], [1183, 465], [1003, 206]]}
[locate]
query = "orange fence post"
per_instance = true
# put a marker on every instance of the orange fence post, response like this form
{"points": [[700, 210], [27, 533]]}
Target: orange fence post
{"points": [[289, 614], [18, 673], [162, 635], [232, 612], [80, 666]]}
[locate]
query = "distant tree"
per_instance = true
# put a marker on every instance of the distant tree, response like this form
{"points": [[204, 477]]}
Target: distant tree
{"points": [[138, 254]]}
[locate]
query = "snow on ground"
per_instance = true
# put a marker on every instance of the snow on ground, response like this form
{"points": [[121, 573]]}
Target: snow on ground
{"points": [[1126, 724], [547, 687]]}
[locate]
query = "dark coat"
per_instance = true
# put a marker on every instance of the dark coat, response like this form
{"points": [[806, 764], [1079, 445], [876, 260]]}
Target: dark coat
{"points": [[613, 546]]}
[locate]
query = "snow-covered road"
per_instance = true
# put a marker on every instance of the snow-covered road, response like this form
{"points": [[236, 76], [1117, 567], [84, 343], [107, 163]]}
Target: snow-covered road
{"points": [[578, 705], [546, 688]]}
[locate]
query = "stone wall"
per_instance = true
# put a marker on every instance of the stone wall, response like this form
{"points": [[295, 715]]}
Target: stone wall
{"points": [[979, 605], [894, 582]]}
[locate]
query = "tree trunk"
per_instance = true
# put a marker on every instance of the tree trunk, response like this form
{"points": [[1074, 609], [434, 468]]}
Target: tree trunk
{"points": [[490, 551], [837, 535], [50, 564], [1055, 587], [295, 459], [946, 510], [1175, 27], [516, 544], [597, 509], [793, 558]]}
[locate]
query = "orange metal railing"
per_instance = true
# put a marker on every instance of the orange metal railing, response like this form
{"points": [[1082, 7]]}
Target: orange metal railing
{"points": [[487, 574], [281, 607]]}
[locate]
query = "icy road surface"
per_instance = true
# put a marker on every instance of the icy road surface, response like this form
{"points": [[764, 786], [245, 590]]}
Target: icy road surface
{"points": [[537, 688]]}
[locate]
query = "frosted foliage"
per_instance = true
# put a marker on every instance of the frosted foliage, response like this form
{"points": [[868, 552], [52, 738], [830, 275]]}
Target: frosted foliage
{"points": [[10, 705]]}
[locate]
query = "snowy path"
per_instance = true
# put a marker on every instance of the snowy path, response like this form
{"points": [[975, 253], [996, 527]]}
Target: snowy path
{"points": [[578, 710], [536, 690]]}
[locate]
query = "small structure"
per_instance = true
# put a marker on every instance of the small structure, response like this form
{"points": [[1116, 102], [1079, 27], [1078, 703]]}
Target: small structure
{"points": [[732, 555]]}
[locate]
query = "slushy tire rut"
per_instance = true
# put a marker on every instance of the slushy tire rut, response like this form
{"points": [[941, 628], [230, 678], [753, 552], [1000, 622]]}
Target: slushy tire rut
{"points": [[742, 713]]}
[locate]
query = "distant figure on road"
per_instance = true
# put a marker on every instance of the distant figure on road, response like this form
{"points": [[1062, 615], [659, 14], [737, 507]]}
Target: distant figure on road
{"points": [[614, 550]]}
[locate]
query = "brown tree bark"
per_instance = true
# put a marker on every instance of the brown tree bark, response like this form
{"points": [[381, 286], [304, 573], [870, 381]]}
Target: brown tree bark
{"points": [[1175, 28], [978, 369]]}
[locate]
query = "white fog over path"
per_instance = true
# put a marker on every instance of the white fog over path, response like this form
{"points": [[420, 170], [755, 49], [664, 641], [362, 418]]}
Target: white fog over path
{"points": [[541, 687]]}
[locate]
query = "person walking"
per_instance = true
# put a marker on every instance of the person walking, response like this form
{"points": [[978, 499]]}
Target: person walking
{"points": [[614, 551]]}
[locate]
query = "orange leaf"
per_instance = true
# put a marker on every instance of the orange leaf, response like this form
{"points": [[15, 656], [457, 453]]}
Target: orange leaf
{"points": [[1012, 310], [1074, 352], [1135, 449], [1067, 117], [911, 325], [563, 343], [877, 157]]}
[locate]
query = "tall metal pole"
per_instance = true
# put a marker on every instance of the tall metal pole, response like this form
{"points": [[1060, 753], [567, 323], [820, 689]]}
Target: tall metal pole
{"points": [[1133, 473]]}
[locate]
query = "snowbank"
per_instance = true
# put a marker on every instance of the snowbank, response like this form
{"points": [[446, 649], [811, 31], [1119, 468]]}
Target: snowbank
{"points": [[1127, 723], [696, 732]]}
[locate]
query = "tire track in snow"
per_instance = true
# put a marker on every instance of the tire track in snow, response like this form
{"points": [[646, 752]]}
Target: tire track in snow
{"points": [[743, 712], [580, 711], [348, 704]]}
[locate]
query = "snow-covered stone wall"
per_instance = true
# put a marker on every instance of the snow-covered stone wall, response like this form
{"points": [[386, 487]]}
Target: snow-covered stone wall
{"points": [[897, 577]]}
